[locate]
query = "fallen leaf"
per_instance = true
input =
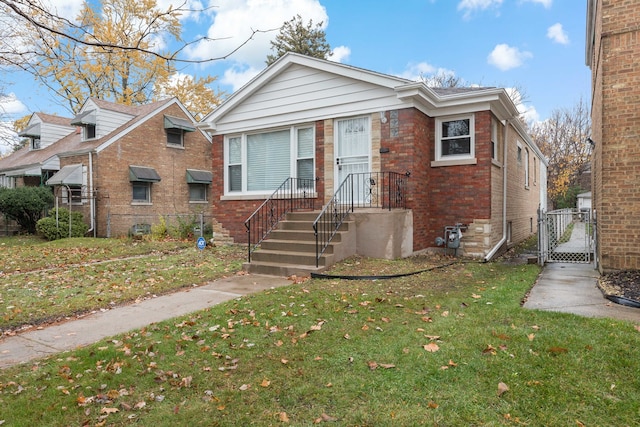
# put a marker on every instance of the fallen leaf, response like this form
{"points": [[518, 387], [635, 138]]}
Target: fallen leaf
{"points": [[387, 365], [283, 417], [558, 350], [328, 418], [531, 336], [108, 410], [502, 388], [433, 405], [445, 313], [284, 361], [476, 296], [265, 383], [372, 365], [637, 327], [245, 387], [431, 347], [433, 337], [489, 350]]}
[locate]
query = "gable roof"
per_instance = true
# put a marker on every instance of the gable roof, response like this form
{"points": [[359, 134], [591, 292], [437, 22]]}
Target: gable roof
{"points": [[298, 87], [73, 144]]}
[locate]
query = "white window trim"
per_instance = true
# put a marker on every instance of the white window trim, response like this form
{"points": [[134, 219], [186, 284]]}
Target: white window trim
{"points": [[244, 194], [206, 193], [142, 202], [460, 159], [85, 129], [174, 145]]}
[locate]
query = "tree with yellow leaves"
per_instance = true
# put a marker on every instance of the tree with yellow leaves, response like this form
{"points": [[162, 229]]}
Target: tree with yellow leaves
{"points": [[562, 139], [115, 54]]}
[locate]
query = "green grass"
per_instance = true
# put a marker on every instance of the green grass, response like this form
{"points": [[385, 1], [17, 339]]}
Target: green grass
{"points": [[45, 281], [303, 354]]}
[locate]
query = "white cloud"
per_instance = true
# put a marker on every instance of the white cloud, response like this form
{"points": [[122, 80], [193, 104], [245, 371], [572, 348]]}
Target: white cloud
{"points": [[11, 105], [423, 71], [505, 57], [546, 3], [340, 54], [238, 75], [470, 6], [235, 20], [558, 34], [68, 9]]}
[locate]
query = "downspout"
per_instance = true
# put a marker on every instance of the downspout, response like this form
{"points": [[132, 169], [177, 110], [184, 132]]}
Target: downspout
{"points": [[91, 198], [502, 241]]}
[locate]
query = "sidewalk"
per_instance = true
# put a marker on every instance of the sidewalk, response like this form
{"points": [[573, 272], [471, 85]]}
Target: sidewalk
{"points": [[69, 335], [572, 288]]}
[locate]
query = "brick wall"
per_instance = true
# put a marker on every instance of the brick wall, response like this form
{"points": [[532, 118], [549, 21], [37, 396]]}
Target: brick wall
{"points": [[438, 196], [616, 131], [147, 146], [231, 212]]}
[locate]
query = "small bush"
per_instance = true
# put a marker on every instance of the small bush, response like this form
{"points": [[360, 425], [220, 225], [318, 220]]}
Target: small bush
{"points": [[52, 231], [159, 230], [25, 205]]}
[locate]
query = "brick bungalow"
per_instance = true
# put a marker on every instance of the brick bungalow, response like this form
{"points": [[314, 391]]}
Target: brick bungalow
{"points": [[468, 156], [612, 52], [122, 166]]}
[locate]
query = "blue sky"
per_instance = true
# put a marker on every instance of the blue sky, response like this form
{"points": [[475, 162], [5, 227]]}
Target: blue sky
{"points": [[536, 46]]}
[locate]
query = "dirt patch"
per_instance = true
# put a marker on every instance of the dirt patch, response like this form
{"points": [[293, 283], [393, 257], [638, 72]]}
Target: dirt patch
{"points": [[624, 284]]}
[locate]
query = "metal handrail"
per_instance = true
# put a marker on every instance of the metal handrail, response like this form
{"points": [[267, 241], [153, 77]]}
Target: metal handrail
{"points": [[386, 190], [293, 194]]}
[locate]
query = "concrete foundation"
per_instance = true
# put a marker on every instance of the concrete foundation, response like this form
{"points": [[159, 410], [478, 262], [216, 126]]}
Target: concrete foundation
{"points": [[384, 234]]}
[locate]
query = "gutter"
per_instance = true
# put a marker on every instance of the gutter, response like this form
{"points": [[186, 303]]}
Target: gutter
{"points": [[92, 205], [502, 241]]}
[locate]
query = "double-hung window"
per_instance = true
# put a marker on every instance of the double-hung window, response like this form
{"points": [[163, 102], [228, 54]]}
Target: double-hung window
{"points": [[258, 163], [455, 138]]}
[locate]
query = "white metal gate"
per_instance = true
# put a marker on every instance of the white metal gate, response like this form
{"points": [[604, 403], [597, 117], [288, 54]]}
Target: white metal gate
{"points": [[566, 235]]}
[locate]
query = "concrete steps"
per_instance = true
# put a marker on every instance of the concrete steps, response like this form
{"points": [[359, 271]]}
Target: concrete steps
{"points": [[291, 248]]}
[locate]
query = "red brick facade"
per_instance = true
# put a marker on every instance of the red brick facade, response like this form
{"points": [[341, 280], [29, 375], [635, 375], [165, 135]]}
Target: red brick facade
{"points": [[438, 196]]}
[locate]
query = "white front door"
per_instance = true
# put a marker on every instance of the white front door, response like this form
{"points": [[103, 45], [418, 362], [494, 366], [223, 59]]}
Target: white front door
{"points": [[353, 152]]}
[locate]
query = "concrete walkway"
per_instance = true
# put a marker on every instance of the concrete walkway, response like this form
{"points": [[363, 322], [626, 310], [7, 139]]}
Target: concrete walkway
{"points": [[572, 288], [90, 329]]}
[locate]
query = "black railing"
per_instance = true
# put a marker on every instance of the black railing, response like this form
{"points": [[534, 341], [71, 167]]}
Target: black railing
{"points": [[292, 195], [386, 190]]}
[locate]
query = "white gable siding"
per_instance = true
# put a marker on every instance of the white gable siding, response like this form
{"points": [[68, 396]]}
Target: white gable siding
{"points": [[310, 95], [107, 121], [52, 133], [49, 132]]}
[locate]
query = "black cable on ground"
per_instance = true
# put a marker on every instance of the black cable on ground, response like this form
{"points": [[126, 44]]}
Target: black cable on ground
{"points": [[383, 277], [623, 301]]}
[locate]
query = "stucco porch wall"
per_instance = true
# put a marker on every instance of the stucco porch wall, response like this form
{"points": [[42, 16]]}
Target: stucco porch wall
{"points": [[384, 234]]}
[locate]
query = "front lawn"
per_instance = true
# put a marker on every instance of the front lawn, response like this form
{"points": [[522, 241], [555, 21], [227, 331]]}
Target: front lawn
{"points": [[451, 346], [46, 281]]}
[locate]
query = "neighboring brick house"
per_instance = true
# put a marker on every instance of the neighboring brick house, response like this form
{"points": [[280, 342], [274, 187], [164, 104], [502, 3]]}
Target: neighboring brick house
{"points": [[469, 157], [612, 53], [122, 166]]}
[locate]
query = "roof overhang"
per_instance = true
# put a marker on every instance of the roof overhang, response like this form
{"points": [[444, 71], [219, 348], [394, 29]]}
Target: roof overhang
{"points": [[195, 176], [143, 174], [85, 118], [32, 131], [68, 175], [178, 123], [27, 171]]}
